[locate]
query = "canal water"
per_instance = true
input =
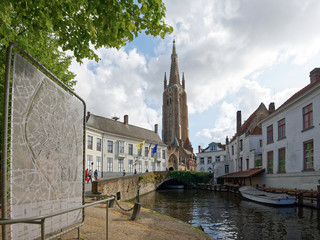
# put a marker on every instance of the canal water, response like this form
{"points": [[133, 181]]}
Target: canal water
{"points": [[228, 216]]}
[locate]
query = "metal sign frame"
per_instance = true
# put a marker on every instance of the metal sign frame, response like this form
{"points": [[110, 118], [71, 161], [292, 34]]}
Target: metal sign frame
{"points": [[4, 156]]}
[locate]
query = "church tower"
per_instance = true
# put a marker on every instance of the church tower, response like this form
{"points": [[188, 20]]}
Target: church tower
{"points": [[175, 130]]}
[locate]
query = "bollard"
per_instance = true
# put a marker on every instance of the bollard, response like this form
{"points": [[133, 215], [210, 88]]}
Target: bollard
{"points": [[136, 211], [300, 199]]}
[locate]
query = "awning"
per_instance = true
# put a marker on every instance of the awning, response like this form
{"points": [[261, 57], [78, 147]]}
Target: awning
{"points": [[244, 174]]}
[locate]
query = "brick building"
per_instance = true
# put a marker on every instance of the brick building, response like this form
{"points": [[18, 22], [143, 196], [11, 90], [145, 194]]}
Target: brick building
{"points": [[175, 131]]}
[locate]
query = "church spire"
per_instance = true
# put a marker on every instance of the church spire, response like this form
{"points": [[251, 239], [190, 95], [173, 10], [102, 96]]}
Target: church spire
{"points": [[174, 70]]}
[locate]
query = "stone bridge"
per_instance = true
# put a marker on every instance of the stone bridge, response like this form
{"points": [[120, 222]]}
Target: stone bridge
{"points": [[126, 188]]}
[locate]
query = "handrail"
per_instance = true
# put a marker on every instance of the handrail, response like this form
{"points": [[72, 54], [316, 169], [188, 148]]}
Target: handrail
{"points": [[41, 219]]}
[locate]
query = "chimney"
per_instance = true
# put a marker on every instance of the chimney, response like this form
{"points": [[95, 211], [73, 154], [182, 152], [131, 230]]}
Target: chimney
{"points": [[238, 123], [199, 149], [315, 75], [125, 119], [156, 128], [227, 140], [272, 107]]}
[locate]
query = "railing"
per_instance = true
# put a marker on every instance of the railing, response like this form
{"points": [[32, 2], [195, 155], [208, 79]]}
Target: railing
{"points": [[41, 219]]}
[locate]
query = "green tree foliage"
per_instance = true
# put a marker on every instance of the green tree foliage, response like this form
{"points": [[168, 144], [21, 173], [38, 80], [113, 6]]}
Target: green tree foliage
{"points": [[191, 177], [46, 29], [78, 25]]}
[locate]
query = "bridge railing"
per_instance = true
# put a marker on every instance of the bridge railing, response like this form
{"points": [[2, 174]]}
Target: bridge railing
{"points": [[41, 219]]}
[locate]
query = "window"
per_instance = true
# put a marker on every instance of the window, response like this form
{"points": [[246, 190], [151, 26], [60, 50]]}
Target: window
{"points": [[163, 154], [260, 142], [130, 149], [98, 159], [226, 168], [209, 160], [232, 150], [202, 160], [98, 144], [308, 155], [152, 166], [270, 134], [90, 140], [241, 145], [89, 161], [121, 148], [146, 166], [258, 160], [281, 129], [240, 164], [282, 160], [247, 162], [217, 158], [130, 165], [110, 147], [110, 164], [139, 166], [307, 117], [146, 151], [270, 162], [158, 166], [120, 165], [139, 151]]}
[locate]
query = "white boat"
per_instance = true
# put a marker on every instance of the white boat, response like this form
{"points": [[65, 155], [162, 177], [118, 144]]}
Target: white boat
{"points": [[266, 197]]}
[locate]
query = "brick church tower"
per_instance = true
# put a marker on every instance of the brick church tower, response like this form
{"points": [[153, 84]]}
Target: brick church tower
{"points": [[175, 131]]}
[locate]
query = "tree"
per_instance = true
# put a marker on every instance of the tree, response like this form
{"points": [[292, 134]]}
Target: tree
{"points": [[77, 25], [46, 29]]}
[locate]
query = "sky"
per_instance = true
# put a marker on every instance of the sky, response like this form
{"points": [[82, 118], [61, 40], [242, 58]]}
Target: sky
{"points": [[234, 55]]}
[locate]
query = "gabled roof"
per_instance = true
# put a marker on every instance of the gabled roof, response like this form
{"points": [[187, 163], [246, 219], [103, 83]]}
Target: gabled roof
{"points": [[120, 129], [295, 96], [256, 131], [299, 93]]}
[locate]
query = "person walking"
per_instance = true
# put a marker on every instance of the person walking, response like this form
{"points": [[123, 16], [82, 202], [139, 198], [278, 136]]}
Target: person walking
{"points": [[123, 173], [86, 175], [90, 176], [96, 175]]}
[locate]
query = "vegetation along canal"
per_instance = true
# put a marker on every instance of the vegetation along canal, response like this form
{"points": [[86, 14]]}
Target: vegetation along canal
{"points": [[228, 216]]}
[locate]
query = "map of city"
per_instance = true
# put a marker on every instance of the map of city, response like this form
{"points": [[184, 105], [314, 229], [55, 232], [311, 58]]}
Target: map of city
{"points": [[47, 151]]}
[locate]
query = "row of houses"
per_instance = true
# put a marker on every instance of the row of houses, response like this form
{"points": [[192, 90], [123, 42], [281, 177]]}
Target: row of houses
{"points": [[274, 147], [113, 146]]}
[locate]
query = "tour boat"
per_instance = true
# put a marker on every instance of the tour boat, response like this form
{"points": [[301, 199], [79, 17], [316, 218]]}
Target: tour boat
{"points": [[266, 197]]}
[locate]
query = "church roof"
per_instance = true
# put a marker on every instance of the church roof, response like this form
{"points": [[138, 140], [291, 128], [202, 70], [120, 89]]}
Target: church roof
{"points": [[113, 127]]}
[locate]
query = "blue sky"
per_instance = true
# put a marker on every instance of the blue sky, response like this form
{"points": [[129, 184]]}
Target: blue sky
{"points": [[234, 54]]}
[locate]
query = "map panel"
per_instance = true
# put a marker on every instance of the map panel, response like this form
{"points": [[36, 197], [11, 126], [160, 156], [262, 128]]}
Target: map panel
{"points": [[47, 151]]}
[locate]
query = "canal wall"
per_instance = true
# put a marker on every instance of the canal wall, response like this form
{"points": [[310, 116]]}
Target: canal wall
{"points": [[126, 188]]}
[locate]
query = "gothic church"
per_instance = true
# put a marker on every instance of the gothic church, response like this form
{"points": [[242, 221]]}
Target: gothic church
{"points": [[175, 131]]}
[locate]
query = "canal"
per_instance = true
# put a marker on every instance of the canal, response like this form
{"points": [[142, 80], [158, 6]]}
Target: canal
{"points": [[228, 216]]}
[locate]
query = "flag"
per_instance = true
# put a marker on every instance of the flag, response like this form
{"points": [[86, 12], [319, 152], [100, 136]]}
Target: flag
{"points": [[155, 148], [149, 148], [140, 145]]}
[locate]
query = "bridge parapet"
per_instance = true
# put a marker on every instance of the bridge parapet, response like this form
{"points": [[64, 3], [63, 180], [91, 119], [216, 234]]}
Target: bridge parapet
{"points": [[125, 188]]}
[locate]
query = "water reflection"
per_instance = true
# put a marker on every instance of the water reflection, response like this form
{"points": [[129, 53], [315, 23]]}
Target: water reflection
{"points": [[228, 216]]}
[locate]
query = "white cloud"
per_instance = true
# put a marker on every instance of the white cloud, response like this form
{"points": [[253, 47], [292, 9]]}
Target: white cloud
{"points": [[224, 47]]}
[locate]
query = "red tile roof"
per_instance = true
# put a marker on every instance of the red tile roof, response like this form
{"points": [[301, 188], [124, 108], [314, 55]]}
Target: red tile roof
{"points": [[244, 174], [300, 92]]}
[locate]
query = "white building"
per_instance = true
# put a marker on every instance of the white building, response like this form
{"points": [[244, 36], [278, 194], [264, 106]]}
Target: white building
{"points": [[291, 140], [244, 151], [112, 146], [213, 159]]}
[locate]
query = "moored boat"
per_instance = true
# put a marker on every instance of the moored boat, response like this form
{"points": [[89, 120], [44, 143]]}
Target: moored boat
{"points": [[266, 197]]}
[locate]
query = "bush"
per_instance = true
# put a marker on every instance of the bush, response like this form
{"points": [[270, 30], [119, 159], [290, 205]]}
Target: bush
{"points": [[191, 177]]}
